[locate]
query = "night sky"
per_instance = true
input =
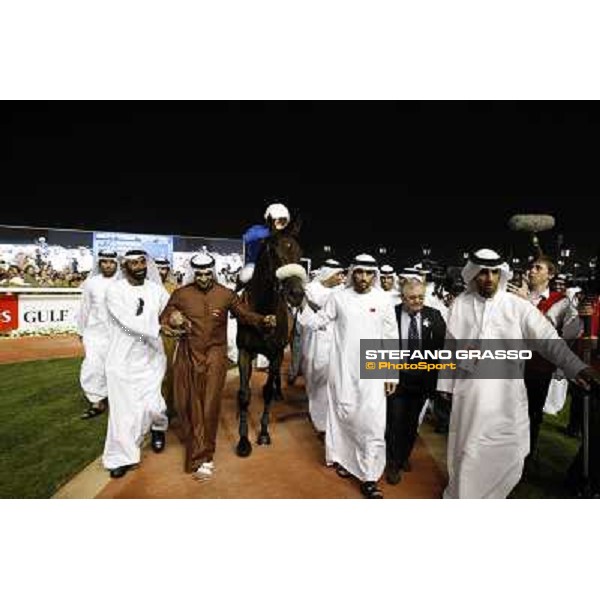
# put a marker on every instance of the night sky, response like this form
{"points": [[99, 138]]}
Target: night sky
{"points": [[446, 174]]}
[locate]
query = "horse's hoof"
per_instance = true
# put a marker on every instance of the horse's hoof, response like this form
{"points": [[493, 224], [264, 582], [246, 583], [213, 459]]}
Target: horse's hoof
{"points": [[264, 439], [244, 448]]}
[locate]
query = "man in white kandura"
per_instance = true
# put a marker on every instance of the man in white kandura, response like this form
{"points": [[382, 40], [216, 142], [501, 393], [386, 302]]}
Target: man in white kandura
{"points": [[316, 345], [136, 363], [489, 425], [92, 323], [389, 283], [355, 435]]}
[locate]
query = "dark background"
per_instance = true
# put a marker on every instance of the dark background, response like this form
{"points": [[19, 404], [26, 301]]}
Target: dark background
{"points": [[361, 174]]}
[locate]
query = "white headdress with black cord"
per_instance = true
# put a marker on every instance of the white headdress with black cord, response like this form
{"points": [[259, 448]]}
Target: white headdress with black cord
{"points": [[411, 273], [330, 267], [485, 259], [365, 262], [152, 270], [162, 262], [202, 260], [389, 271], [103, 255]]}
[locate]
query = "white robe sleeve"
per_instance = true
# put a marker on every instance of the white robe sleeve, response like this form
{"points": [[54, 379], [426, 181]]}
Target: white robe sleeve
{"points": [[571, 326], [390, 323], [310, 294], [319, 320], [123, 311], [164, 298], [389, 329], [445, 382], [550, 345], [84, 309]]}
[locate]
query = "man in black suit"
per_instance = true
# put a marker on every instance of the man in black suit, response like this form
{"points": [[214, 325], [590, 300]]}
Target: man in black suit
{"points": [[419, 328]]}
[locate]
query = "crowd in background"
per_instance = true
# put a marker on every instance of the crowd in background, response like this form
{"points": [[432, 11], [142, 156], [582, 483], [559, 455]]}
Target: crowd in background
{"points": [[44, 266]]}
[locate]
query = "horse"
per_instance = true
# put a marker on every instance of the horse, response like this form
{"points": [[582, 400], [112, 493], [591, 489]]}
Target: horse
{"points": [[267, 295]]}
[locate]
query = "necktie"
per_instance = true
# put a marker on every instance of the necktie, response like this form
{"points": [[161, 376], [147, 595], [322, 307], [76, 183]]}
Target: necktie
{"points": [[414, 343]]}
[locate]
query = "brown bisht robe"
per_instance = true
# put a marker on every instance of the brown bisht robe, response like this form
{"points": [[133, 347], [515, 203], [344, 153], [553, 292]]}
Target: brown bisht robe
{"points": [[169, 343], [200, 364]]}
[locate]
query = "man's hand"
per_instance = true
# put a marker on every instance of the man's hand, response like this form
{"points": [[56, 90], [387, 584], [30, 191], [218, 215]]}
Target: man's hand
{"points": [[171, 332], [447, 396], [522, 291], [588, 376], [176, 319], [389, 387], [179, 324], [269, 321]]}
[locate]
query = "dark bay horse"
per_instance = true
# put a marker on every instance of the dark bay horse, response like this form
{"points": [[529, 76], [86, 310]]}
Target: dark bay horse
{"points": [[267, 295]]}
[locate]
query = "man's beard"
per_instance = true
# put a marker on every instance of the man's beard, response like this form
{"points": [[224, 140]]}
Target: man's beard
{"points": [[139, 275], [205, 285]]}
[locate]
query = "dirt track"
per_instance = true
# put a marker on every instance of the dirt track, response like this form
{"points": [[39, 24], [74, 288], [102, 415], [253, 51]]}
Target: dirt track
{"points": [[292, 467], [39, 348]]}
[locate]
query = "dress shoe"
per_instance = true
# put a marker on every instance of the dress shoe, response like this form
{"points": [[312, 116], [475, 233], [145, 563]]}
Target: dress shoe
{"points": [[343, 473], [370, 490], [393, 476], [120, 471], [158, 441]]}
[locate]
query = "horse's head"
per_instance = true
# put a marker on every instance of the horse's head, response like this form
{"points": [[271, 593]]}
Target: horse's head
{"points": [[292, 279], [292, 290], [284, 248]]}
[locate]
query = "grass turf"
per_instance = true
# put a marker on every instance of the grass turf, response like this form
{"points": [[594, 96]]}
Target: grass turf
{"points": [[43, 441], [555, 453]]}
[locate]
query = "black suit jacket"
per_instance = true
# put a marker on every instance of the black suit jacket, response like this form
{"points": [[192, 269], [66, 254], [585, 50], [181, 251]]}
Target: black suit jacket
{"points": [[432, 338]]}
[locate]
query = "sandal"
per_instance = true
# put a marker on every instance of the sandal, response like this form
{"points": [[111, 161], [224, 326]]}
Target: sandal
{"points": [[94, 411], [342, 472], [370, 490]]}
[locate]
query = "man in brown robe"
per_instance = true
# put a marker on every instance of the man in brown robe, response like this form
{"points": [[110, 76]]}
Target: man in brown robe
{"points": [[198, 313]]}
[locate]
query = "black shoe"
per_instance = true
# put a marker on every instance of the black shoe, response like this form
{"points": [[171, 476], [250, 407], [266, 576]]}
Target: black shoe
{"points": [[158, 441], [120, 471], [370, 490], [393, 476], [343, 473], [95, 410], [406, 466]]}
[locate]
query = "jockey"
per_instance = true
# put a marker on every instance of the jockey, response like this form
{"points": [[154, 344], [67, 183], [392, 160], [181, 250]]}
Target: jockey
{"points": [[277, 218]]}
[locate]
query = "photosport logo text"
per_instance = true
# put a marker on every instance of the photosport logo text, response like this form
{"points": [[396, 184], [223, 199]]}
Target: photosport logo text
{"points": [[482, 359]]}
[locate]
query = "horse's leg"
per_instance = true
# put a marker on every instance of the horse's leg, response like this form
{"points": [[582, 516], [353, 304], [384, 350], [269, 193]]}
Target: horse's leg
{"points": [[244, 447], [268, 393], [277, 393]]}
